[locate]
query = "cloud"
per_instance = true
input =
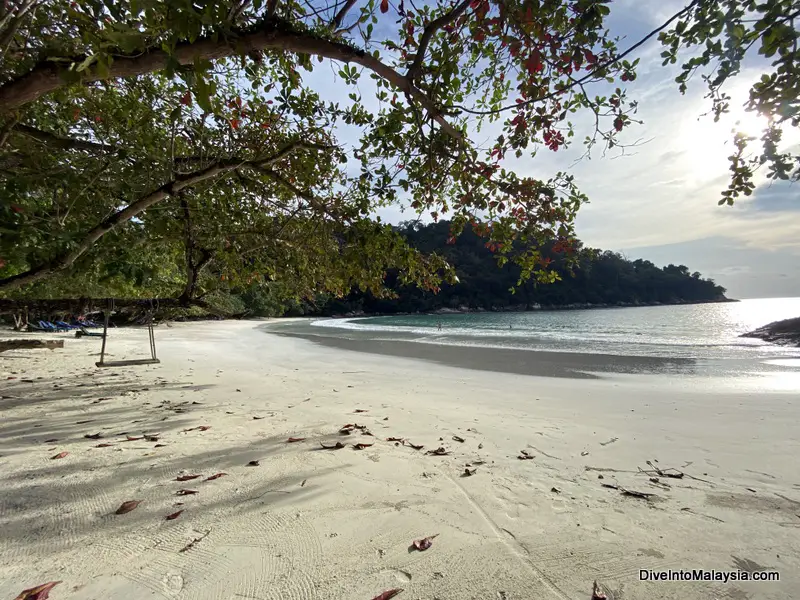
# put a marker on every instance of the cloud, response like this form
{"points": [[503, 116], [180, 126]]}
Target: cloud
{"points": [[782, 196]]}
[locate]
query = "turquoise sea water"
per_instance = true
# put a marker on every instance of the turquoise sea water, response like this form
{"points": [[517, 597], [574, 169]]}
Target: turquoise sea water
{"points": [[701, 331]]}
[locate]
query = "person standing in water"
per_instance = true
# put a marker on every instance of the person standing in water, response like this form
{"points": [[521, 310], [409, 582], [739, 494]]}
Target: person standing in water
{"points": [[439, 325]]}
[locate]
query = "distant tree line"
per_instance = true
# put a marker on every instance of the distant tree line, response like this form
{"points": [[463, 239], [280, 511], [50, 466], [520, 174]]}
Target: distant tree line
{"points": [[597, 277]]}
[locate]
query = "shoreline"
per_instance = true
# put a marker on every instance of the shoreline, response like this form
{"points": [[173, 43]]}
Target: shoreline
{"points": [[291, 521], [464, 310], [536, 363]]}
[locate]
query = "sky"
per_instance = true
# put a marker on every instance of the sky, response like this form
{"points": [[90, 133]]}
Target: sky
{"points": [[658, 201]]}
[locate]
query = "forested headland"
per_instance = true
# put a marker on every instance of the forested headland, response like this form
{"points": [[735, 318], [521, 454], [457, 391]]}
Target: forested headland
{"points": [[598, 278]]}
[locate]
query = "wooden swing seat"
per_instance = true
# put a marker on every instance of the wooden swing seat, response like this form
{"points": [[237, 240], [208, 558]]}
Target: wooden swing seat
{"points": [[126, 363]]}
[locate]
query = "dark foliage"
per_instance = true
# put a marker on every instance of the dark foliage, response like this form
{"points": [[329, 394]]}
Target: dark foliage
{"points": [[601, 278]]}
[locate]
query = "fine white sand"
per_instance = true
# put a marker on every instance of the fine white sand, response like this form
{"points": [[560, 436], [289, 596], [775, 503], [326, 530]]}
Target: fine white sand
{"points": [[314, 524]]}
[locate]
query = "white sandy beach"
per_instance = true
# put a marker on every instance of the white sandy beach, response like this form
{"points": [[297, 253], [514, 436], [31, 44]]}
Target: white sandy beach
{"points": [[310, 524]]}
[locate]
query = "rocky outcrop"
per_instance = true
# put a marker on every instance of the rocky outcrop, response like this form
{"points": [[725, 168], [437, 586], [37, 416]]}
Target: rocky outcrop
{"points": [[786, 333]]}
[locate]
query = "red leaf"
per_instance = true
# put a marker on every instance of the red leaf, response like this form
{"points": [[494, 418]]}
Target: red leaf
{"points": [[59, 455], [385, 8], [388, 594], [361, 446], [186, 492], [128, 506], [173, 516], [235, 123], [292, 440], [186, 99], [40, 592], [186, 477], [215, 476], [619, 123], [424, 543]]}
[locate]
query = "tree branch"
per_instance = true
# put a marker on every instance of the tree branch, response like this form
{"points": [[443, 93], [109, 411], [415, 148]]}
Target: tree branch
{"points": [[271, 34], [171, 188], [337, 20], [57, 141], [427, 35]]}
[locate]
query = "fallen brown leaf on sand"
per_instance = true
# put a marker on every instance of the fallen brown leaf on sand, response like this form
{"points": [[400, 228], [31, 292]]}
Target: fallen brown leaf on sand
{"points": [[424, 543], [555, 490], [152, 437], [336, 446], [524, 455], [203, 427], [186, 477], [388, 594], [440, 451], [414, 446], [104, 445], [40, 592], [458, 439], [215, 476], [131, 438], [186, 492], [292, 440], [257, 418], [159, 445], [394, 439], [366, 432], [584, 453], [598, 593], [93, 436], [360, 410], [253, 463], [59, 455], [361, 446], [51, 441], [173, 516], [468, 472], [127, 507]]}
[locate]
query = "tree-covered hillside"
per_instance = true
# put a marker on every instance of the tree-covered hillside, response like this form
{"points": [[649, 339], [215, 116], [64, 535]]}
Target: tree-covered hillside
{"points": [[599, 278]]}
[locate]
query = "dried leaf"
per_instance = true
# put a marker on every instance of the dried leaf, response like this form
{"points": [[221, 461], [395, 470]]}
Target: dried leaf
{"points": [[215, 476], [468, 472], [186, 492], [159, 445], [173, 516], [59, 455], [203, 427], [104, 445], [414, 446], [128, 506], [394, 439], [336, 446], [525, 456], [440, 451], [361, 446], [597, 592], [93, 436], [360, 410], [424, 543], [51, 441], [131, 438], [367, 432], [458, 438], [555, 490], [257, 418], [388, 593], [152, 438], [292, 440], [40, 592], [584, 453], [253, 463], [186, 477]]}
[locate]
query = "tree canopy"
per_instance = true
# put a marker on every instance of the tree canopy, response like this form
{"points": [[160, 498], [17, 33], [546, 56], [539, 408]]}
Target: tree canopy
{"points": [[175, 147]]}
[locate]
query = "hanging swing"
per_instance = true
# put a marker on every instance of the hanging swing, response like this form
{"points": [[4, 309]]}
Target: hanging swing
{"points": [[135, 361]]}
